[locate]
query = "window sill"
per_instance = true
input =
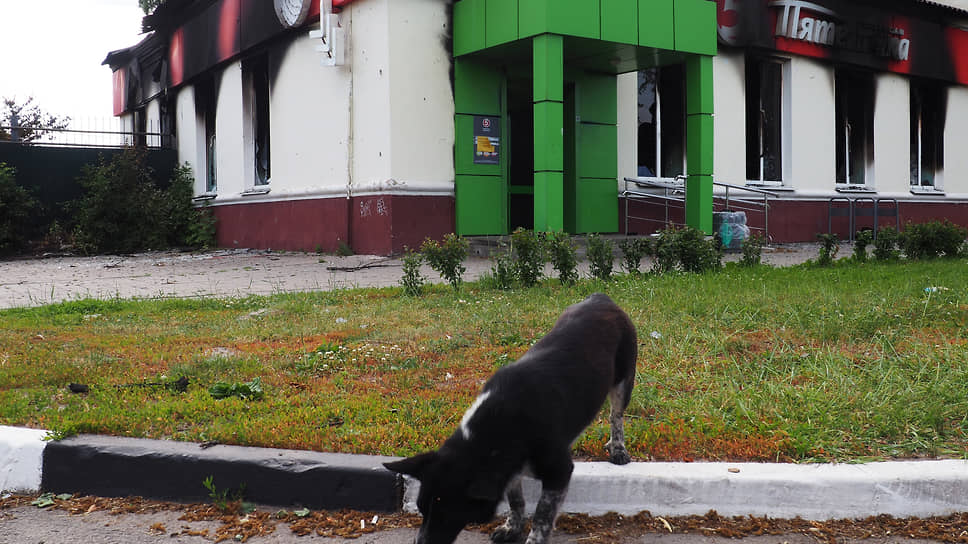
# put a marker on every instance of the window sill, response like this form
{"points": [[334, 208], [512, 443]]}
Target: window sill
{"points": [[927, 192], [855, 189], [256, 191], [769, 186], [204, 197]]}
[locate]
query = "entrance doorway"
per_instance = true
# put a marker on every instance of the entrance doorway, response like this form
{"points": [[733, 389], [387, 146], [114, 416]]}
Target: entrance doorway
{"points": [[521, 153]]}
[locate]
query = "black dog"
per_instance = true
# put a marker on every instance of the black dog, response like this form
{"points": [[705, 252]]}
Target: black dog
{"points": [[525, 420]]}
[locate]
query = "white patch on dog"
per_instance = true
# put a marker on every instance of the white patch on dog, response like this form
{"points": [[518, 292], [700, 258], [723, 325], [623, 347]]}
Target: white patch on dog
{"points": [[465, 421]]}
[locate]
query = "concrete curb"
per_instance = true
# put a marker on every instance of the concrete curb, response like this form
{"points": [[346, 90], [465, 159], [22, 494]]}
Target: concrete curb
{"points": [[110, 466]]}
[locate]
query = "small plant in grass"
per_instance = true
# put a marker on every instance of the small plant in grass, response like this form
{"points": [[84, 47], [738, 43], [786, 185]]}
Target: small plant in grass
{"points": [[600, 256], [633, 249], [529, 253], [447, 258], [752, 248], [932, 240], [886, 244], [412, 281], [245, 391], [828, 249], [564, 256]]}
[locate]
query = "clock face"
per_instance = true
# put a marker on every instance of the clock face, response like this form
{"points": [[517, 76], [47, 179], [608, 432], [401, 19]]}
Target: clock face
{"points": [[292, 12]]}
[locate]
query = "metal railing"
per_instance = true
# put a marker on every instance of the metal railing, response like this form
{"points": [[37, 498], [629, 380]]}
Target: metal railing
{"points": [[671, 195], [105, 136], [852, 211]]}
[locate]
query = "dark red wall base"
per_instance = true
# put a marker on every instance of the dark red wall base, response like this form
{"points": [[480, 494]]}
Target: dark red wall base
{"points": [[801, 220], [377, 225]]}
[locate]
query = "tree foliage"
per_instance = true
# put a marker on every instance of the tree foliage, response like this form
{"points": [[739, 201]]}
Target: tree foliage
{"points": [[31, 119], [149, 6]]}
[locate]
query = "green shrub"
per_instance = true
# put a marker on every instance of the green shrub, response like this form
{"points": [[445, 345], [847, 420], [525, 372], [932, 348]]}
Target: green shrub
{"points": [[695, 252], [828, 249], [564, 256], [886, 243], [687, 249], [122, 209], [862, 239], [447, 258], [529, 253], [502, 271], [633, 249], [201, 232], [752, 248], [600, 256], [666, 255], [412, 281], [932, 240], [17, 208]]}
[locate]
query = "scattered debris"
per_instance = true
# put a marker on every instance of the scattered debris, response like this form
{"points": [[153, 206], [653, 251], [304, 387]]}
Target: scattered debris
{"points": [[611, 527], [178, 386]]}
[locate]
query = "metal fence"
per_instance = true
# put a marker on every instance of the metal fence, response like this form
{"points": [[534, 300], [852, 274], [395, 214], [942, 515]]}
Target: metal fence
{"points": [[106, 133]]}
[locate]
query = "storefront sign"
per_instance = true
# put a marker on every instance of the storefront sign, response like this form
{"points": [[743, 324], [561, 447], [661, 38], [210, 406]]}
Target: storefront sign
{"points": [[813, 23], [848, 33], [487, 140]]}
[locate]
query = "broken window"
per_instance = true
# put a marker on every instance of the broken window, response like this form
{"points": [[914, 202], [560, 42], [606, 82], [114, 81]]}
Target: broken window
{"points": [[256, 71], [662, 122], [205, 108], [764, 95], [928, 108], [854, 95]]}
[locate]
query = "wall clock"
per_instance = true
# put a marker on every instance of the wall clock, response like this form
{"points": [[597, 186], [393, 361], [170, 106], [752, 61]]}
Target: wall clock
{"points": [[292, 13]]}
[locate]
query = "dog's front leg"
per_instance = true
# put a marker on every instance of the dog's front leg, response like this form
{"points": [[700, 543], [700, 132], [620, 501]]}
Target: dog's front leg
{"points": [[513, 527]]}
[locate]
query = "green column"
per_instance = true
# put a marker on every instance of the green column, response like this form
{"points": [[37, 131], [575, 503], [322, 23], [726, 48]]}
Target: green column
{"points": [[699, 142], [548, 52]]}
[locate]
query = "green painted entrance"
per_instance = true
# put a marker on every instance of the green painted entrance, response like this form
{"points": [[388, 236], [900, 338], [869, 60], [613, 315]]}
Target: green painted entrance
{"points": [[536, 107]]}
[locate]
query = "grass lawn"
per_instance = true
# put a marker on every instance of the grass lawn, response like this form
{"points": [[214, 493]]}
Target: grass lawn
{"points": [[852, 362]]}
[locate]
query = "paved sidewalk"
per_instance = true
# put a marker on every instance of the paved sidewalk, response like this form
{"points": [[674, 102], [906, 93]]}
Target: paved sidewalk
{"points": [[229, 273]]}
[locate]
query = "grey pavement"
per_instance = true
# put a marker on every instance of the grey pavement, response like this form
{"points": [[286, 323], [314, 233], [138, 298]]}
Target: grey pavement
{"points": [[233, 273]]}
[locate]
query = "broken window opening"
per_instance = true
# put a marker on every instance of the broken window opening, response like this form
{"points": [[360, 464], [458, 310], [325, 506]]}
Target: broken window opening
{"points": [[928, 109], [764, 96], [854, 95], [662, 122]]}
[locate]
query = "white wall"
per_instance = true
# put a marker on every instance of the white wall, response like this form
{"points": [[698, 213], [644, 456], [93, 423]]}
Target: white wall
{"points": [[309, 122], [892, 124], [369, 53], [421, 99], [955, 138], [729, 120], [812, 157], [190, 136], [230, 128], [627, 99]]}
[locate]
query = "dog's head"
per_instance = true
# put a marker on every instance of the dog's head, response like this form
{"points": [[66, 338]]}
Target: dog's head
{"points": [[452, 494]]}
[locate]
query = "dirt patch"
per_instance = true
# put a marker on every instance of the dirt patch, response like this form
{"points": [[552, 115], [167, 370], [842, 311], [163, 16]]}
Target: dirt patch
{"points": [[235, 524]]}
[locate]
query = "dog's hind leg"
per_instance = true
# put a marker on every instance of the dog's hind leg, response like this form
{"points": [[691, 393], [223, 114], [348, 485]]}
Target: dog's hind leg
{"points": [[618, 399], [513, 527]]}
